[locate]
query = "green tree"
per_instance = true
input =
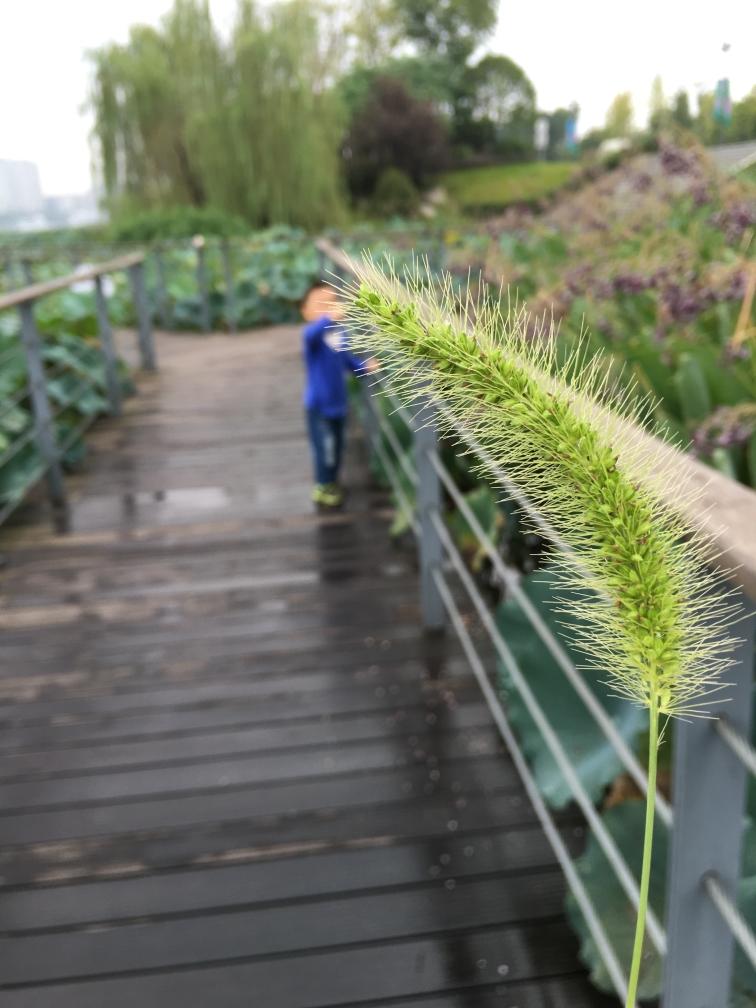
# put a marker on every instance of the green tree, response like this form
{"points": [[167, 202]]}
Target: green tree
{"points": [[619, 117], [743, 126], [374, 29], [393, 129], [453, 28], [424, 77], [659, 112], [498, 108], [251, 126], [447, 32], [681, 110], [558, 130]]}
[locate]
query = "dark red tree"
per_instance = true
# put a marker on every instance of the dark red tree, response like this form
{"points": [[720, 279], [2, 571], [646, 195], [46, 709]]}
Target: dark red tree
{"points": [[393, 129]]}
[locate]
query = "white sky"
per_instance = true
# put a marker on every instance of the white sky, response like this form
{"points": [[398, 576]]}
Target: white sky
{"points": [[585, 50]]}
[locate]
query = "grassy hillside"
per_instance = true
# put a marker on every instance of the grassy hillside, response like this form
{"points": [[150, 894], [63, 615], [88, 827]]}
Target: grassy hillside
{"points": [[499, 186]]}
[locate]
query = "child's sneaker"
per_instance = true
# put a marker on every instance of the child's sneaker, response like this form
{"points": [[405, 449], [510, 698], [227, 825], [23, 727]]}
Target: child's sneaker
{"points": [[327, 495]]}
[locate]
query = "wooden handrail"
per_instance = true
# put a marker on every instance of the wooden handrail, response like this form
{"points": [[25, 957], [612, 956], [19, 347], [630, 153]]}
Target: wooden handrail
{"points": [[715, 506], [38, 290]]}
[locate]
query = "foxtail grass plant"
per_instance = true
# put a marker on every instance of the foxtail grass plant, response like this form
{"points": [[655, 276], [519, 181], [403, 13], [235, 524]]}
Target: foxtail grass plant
{"points": [[577, 451]]}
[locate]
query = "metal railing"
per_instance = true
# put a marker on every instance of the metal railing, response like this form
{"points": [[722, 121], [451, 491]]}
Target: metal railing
{"points": [[20, 267], [711, 757], [28, 351]]}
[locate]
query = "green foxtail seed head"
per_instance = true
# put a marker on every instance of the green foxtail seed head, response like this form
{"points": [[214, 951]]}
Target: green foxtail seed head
{"points": [[577, 453]]}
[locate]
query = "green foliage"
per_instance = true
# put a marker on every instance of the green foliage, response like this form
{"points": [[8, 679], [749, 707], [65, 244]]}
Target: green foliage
{"points": [[594, 759], [692, 390], [550, 425], [496, 114], [482, 502], [395, 194], [272, 271], [619, 117], [424, 77], [392, 130], [656, 272], [249, 126], [494, 188], [742, 125], [175, 222], [76, 386], [452, 27], [625, 825]]}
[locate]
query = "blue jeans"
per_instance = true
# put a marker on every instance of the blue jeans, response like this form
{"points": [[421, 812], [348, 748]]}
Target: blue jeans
{"points": [[327, 443]]}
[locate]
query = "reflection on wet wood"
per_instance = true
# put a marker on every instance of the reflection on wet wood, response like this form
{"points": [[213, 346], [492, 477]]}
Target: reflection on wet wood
{"points": [[226, 776]]}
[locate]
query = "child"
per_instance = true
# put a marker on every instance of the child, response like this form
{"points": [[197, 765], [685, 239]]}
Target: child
{"points": [[326, 357]]}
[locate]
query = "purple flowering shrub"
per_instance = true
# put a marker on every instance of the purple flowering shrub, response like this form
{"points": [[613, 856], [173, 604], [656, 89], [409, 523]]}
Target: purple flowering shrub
{"points": [[653, 259]]}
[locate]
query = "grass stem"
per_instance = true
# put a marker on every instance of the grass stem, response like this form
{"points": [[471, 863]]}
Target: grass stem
{"points": [[648, 843]]}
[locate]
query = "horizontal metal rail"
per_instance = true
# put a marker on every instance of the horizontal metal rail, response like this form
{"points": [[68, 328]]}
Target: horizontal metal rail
{"points": [[12, 502], [545, 818], [602, 719], [77, 433], [83, 385], [13, 402], [35, 291], [9, 354], [612, 853], [697, 967], [733, 918], [393, 477], [399, 452], [737, 744], [30, 353], [17, 444]]}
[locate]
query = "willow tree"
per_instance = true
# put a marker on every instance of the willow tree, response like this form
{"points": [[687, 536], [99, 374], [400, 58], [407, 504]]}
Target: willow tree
{"points": [[251, 126]]}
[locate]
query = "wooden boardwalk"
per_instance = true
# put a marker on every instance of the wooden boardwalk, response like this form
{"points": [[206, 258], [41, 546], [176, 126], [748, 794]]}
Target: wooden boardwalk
{"points": [[226, 776]]}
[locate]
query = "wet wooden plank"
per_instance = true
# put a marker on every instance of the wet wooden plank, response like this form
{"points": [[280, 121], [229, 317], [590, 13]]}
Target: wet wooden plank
{"points": [[348, 870], [241, 799], [348, 976], [285, 927], [471, 721], [233, 772]]}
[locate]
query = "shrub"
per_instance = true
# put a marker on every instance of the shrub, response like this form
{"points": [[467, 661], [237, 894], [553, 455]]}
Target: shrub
{"points": [[392, 129], [395, 195], [175, 222]]}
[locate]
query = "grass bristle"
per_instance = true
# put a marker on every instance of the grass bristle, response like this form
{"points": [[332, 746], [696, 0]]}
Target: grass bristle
{"points": [[574, 447]]}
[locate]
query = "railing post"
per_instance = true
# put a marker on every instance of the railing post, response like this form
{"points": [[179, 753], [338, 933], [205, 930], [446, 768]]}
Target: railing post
{"points": [[27, 272], [144, 323], [109, 359], [369, 418], [160, 289], [43, 419], [199, 246], [428, 502], [709, 791], [228, 275]]}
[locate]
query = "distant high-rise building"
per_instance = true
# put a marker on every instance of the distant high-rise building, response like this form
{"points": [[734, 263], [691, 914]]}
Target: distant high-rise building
{"points": [[20, 191]]}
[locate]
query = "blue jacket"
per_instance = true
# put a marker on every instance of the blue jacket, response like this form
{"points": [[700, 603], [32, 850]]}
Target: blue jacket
{"points": [[327, 357]]}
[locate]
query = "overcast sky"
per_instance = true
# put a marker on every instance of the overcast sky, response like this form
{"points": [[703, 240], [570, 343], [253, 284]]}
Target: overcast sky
{"points": [[585, 51]]}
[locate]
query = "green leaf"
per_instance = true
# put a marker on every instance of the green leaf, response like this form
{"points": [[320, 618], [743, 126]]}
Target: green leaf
{"points": [[721, 459], [594, 759], [17, 475], [692, 389], [751, 454], [14, 420], [614, 909], [616, 913], [482, 502]]}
